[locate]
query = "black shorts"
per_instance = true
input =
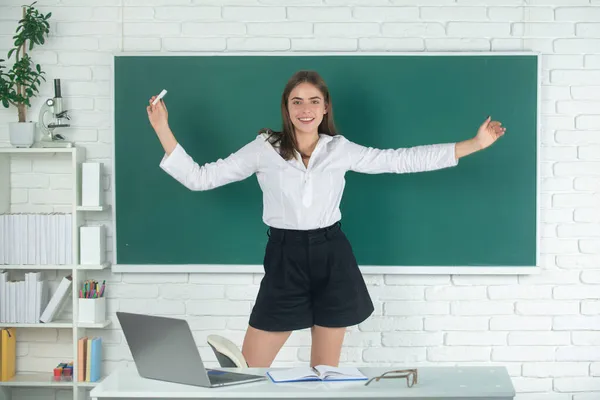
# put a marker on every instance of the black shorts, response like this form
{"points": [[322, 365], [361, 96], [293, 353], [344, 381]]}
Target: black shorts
{"points": [[311, 278]]}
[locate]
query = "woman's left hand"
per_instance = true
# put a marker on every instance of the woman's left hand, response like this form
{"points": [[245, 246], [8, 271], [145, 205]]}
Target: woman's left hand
{"points": [[489, 132]]}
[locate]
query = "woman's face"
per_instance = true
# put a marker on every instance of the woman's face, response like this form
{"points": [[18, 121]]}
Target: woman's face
{"points": [[306, 107]]}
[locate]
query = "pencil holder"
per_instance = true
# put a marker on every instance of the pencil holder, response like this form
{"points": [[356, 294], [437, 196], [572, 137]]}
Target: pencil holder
{"points": [[92, 310]]}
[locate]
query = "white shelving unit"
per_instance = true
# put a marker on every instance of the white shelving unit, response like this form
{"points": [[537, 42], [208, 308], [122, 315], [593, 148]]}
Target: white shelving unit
{"points": [[74, 157]]}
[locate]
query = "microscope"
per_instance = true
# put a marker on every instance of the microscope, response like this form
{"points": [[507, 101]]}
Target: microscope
{"points": [[53, 106]]}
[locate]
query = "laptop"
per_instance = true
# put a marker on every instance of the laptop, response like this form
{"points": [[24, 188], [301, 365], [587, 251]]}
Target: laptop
{"points": [[164, 349]]}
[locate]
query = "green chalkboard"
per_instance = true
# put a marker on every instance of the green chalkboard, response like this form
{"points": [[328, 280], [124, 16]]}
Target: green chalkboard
{"points": [[482, 212]]}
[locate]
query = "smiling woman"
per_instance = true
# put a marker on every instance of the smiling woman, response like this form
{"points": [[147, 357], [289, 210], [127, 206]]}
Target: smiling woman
{"points": [[311, 279]]}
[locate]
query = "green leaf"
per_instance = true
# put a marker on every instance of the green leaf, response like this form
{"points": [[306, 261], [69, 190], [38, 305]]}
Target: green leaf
{"points": [[10, 53], [48, 15], [38, 67], [5, 103]]}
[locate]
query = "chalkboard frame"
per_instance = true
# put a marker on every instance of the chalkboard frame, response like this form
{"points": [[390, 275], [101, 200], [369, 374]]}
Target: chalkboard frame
{"points": [[365, 269]]}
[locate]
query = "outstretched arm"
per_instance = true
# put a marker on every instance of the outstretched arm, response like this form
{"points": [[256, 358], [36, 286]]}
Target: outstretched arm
{"points": [[420, 158]]}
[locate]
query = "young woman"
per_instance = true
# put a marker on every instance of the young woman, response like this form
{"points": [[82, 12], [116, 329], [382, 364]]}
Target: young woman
{"points": [[311, 276]]}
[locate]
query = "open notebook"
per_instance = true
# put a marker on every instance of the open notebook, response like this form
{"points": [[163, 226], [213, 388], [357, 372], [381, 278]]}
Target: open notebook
{"points": [[318, 373]]}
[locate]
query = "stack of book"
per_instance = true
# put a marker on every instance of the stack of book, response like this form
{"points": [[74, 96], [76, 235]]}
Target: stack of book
{"points": [[89, 357], [22, 302]]}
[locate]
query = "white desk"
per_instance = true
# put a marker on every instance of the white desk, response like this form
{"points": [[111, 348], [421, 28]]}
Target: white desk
{"points": [[443, 383]]}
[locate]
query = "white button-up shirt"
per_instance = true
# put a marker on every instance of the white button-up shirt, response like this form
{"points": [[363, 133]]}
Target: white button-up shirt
{"points": [[300, 197]]}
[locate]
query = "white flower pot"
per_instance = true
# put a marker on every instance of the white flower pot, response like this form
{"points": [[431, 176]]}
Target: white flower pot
{"points": [[22, 134]]}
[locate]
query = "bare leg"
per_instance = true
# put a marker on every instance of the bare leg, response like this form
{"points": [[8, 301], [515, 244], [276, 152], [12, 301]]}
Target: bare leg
{"points": [[326, 345], [261, 347]]}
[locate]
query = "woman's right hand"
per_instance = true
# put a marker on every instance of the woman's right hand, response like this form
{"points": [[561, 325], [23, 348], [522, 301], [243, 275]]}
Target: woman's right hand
{"points": [[158, 114]]}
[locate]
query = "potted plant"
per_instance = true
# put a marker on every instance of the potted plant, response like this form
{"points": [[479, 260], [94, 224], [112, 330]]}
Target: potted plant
{"points": [[21, 82]]}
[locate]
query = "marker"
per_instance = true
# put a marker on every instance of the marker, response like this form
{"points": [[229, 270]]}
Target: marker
{"points": [[160, 96]]}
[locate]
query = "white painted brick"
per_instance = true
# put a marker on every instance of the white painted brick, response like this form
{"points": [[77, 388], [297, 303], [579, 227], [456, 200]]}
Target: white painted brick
{"points": [[453, 44], [578, 107], [43, 196], [558, 153], [254, 13], [558, 245], [318, 14], [540, 338], [155, 278], [489, 280], [541, 29], [186, 291], [218, 307], [155, 307], [575, 45], [458, 353], [222, 29], [141, 44], [586, 338], [579, 230], [384, 14], [575, 77], [589, 246], [577, 384], [578, 261], [520, 323], [324, 44], [407, 308], [512, 292], [138, 13], [128, 291], [412, 29], [549, 277], [531, 385], [410, 339], [194, 13], [391, 44], [344, 29], [579, 353], [587, 215], [523, 353], [547, 307], [585, 92], [455, 293], [362, 339], [556, 93], [556, 185], [18, 180], [478, 29], [592, 61], [194, 44], [577, 14], [387, 324], [455, 13], [395, 354], [591, 277], [156, 29], [258, 44], [584, 396], [481, 308], [395, 293], [587, 184], [88, 28], [591, 30], [595, 369], [238, 292], [71, 43], [155, 2], [455, 323], [85, 58], [577, 137], [60, 181], [285, 29], [506, 44], [562, 61], [548, 107], [587, 122], [476, 338], [554, 369], [558, 122], [576, 292], [587, 168]]}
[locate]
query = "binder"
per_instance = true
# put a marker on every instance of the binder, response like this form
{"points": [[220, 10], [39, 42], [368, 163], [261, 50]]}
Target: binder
{"points": [[8, 356]]}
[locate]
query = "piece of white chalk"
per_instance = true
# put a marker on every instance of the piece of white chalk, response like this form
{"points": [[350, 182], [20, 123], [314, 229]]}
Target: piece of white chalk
{"points": [[160, 96]]}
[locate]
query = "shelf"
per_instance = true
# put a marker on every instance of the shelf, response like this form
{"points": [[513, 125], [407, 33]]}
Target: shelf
{"points": [[93, 208], [54, 324], [37, 150], [42, 380], [54, 266], [103, 324]]}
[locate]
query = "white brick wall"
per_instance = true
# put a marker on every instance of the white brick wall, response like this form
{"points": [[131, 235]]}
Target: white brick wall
{"points": [[545, 329]]}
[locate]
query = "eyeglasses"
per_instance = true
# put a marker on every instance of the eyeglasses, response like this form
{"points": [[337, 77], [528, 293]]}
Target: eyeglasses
{"points": [[410, 375]]}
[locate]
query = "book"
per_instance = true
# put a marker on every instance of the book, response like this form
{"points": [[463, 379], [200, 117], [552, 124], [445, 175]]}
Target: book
{"points": [[318, 373], [8, 345]]}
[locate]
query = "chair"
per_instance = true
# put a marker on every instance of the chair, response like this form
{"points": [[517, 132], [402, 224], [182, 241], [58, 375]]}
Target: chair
{"points": [[228, 355]]}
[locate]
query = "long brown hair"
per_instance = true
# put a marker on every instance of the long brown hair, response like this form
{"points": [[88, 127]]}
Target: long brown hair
{"points": [[286, 137]]}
